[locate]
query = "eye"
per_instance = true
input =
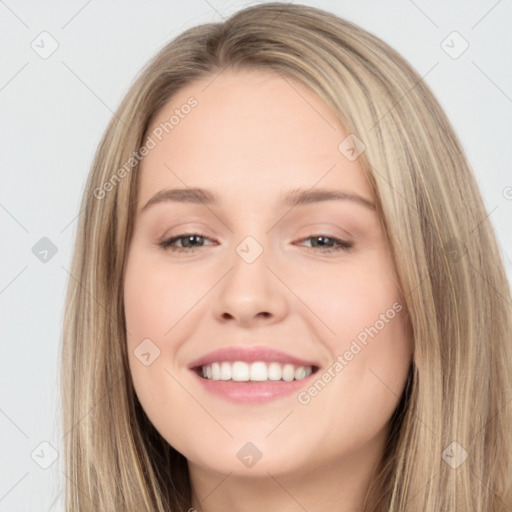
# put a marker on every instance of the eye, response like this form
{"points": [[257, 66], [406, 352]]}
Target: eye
{"points": [[328, 244], [188, 242]]}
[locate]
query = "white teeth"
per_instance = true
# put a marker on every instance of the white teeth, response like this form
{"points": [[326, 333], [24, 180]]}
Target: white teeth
{"points": [[240, 371], [215, 371], [274, 371], [225, 371], [258, 371], [288, 372], [300, 373]]}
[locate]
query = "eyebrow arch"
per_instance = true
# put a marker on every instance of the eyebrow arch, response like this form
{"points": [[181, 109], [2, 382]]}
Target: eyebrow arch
{"points": [[296, 197]]}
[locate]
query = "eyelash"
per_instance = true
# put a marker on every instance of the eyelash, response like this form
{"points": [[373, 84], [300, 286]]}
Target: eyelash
{"points": [[342, 245]]}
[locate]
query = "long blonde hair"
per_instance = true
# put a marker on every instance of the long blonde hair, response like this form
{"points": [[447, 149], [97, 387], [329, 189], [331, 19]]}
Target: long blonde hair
{"points": [[457, 400]]}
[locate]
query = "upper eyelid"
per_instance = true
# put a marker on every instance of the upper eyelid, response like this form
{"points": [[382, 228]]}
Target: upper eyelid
{"points": [[315, 232], [199, 233]]}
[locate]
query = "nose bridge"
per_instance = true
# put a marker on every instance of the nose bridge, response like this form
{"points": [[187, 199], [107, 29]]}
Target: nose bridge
{"points": [[250, 291]]}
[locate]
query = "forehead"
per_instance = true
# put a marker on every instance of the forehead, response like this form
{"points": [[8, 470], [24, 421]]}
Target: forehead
{"points": [[250, 133]]}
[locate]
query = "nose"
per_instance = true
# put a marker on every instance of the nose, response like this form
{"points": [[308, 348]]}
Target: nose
{"points": [[250, 294]]}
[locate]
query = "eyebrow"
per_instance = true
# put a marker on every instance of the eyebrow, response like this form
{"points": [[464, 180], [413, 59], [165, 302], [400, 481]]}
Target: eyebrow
{"points": [[293, 198]]}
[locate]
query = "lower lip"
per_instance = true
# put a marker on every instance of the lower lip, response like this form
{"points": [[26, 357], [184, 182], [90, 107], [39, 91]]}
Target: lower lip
{"points": [[252, 392]]}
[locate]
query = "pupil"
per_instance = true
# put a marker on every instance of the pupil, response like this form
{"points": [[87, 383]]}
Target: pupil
{"points": [[191, 239]]}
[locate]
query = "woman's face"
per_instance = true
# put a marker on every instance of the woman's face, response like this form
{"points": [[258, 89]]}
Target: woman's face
{"points": [[265, 328]]}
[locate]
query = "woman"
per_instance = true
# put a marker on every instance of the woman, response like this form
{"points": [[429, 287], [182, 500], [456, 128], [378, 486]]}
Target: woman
{"points": [[288, 292]]}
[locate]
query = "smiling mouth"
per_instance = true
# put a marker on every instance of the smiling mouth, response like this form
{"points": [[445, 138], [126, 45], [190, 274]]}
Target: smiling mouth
{"points": [[257, 371]]}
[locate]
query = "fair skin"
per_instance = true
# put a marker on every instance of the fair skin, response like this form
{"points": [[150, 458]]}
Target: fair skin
{"points": [[251, 139]]}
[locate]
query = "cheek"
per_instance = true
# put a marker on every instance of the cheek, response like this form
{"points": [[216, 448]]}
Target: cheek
{"points": [[368, 344], [348, 298], [156, 297], [154, 302], [161, 304], [149, 306]]}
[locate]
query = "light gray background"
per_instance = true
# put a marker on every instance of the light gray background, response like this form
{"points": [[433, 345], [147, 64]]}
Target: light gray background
{"points": [[55, 110]]}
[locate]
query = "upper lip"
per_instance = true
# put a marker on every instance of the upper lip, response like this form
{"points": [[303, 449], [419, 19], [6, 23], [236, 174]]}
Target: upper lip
{"points": [[249, 355]]}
